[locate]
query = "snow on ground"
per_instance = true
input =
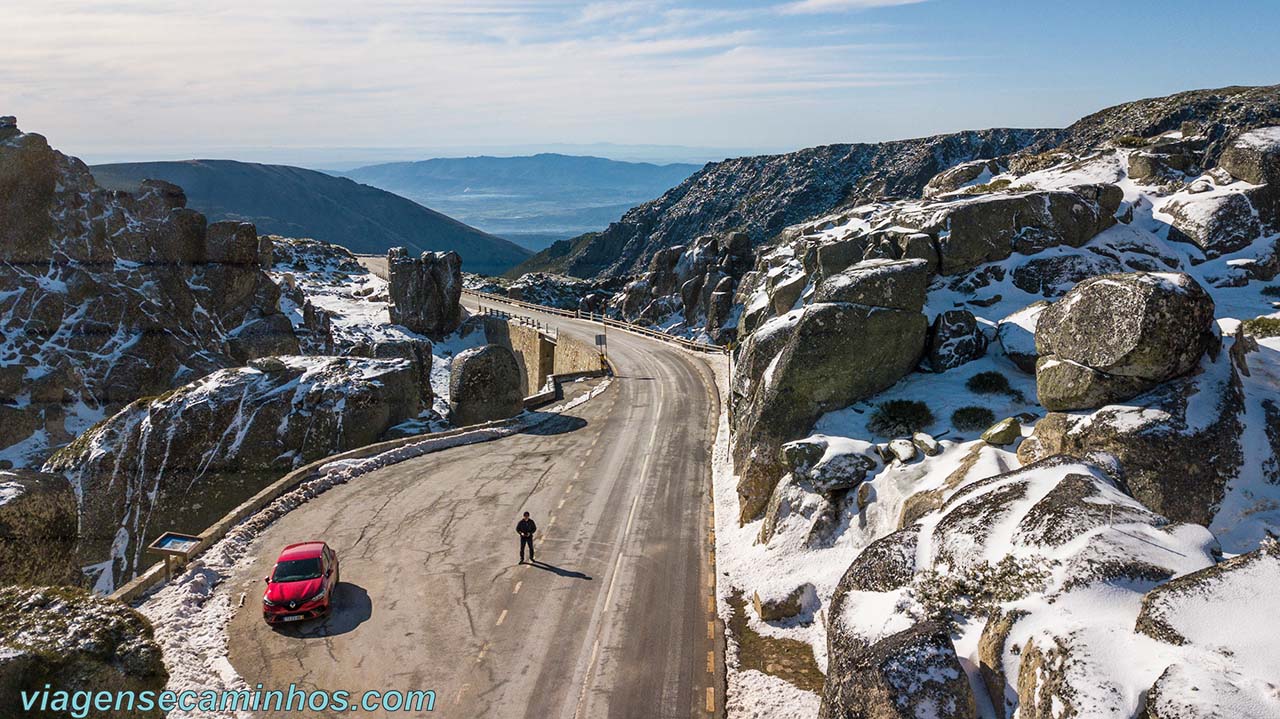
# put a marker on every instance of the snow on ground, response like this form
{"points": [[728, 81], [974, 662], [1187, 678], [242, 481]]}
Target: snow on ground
{"points": [[358, 303], [190, 614], [1101, 618], [9, 491]]}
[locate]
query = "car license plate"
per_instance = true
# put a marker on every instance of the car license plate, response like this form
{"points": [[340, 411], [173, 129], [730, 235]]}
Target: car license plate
{"points": [[294, 618]]}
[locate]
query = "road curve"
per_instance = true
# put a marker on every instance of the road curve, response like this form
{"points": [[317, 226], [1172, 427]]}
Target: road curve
{"points": [[616, 623]]}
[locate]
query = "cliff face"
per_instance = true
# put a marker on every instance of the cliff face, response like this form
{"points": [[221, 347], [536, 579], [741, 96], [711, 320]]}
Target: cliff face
{"points": [[761, 195], [110, 296]]}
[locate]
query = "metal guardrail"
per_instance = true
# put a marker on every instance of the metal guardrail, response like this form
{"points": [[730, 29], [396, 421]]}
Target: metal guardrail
{"points": [[604, 320]]}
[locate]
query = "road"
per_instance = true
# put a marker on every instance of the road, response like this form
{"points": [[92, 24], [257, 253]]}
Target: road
{"points": [[616, 622]]}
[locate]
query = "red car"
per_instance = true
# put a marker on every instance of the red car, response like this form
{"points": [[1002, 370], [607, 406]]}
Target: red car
{"points": [[301, 585]]}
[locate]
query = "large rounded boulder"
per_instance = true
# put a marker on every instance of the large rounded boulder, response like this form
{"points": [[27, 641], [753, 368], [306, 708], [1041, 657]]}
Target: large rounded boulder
{"points": [[38, 528], [484, 385], [74, 642], [1115, 336]]}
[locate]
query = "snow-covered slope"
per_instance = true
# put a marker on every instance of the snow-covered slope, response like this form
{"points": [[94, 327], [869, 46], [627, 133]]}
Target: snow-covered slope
{"points": [[1038, 569]]}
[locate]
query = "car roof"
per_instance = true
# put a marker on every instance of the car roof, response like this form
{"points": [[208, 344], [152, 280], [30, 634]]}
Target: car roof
{"points": [[302, 550]]}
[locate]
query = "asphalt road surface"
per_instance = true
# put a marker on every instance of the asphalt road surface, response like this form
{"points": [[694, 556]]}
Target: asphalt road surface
{"points": [[615, 621]]}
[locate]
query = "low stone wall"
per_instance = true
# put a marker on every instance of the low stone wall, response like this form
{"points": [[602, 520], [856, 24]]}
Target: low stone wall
{"points": [[572, 356], [535, 352], [539, 355]]}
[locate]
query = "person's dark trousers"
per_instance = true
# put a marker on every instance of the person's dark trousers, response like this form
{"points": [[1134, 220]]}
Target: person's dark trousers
{"points": [[526, 541]]}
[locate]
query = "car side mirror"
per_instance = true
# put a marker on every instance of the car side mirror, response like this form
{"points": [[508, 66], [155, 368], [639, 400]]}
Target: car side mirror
{"points": [[267, 579]]}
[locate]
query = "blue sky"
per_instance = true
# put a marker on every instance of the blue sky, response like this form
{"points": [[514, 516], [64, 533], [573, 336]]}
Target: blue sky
{"points": [[325, 81]]}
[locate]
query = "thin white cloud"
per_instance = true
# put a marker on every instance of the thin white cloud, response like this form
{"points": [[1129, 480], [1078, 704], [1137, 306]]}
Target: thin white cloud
{"points": [[826, 6], [135, 74]]}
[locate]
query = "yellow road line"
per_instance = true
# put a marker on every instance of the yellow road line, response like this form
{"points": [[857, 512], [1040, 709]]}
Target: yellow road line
{"points": [[711, 700], [501, 618]]}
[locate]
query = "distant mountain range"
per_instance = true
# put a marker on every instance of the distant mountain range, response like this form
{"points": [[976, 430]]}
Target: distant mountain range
{"points": [[530, 200], [295, 202]]}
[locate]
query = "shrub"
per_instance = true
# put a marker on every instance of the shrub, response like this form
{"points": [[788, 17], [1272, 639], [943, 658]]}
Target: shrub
{"points": [[1129, 141], [972, 419], [900, 418], [993, 186], [1271, 291], [1262, 326], [979, 589], [989, 383]]}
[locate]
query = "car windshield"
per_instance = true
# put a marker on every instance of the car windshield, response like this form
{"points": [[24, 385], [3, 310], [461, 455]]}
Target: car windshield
{"points": [[296, 570]]}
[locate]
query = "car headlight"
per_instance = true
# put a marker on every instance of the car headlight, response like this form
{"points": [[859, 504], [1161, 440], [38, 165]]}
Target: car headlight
{"points": [[318, 596], [268, 602]]}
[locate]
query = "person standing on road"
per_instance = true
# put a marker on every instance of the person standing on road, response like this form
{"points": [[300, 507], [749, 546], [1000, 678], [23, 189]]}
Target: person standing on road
{"points": [[525, 528]]}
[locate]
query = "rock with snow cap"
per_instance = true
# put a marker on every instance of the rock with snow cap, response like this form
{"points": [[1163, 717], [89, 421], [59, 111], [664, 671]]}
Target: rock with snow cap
{"points": [[1254, 156], [955, 338], [899, 284], [910, 674], [184, 458], [822, 357], [1119, 335]]}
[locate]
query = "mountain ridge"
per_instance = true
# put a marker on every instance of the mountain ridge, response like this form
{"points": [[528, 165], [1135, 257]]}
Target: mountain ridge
{"points": [[294, 201]]}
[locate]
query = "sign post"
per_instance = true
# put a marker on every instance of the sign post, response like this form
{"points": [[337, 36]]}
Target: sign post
{"points": [[176, 548]]}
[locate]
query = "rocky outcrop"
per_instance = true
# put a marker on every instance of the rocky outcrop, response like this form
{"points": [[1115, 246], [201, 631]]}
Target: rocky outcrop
{"points": [[910, 674], [112, 296], [954, 339], [426, 291], [976, 230], [1175, 447], [484, 385], [1026, 552], [812, 360], [37, 528], [1221, 223], [1115, 336], [1254, 156], [898, 284], [966, 173], [762, 195], [550, 290], [697, 280], [183, 459], [1235, 672], [76, 643], [1217, 114]]}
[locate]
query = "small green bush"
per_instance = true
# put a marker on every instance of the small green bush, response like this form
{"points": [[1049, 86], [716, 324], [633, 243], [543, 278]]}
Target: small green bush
{"points": [[989, 383], [1130, 141], [1262, 327], [993, 186], [972, 419], [900, 418], [1271, 291]]}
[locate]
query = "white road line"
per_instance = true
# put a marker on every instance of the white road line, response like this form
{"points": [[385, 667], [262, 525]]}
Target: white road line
{"points": [[501, 618], [586, 680], [516, 589]]}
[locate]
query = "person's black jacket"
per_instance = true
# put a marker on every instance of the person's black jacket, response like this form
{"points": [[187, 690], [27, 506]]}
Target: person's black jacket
{"points": [[526, 527]]}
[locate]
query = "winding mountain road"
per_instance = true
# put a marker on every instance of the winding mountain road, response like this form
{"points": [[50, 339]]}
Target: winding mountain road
{"points": [[618, 620]]}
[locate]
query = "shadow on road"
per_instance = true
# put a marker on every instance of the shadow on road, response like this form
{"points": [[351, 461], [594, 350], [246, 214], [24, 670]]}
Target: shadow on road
{"points": [[559, 571], [352, 607], [558, 424]]}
